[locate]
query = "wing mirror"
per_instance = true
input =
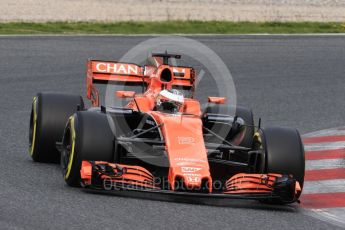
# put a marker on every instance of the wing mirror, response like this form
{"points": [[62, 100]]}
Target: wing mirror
{"points": [[217, 100], [125, 94]]}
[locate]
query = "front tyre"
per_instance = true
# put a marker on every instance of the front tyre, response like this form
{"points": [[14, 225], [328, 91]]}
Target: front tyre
{"points": [[87, 136], [284, 152]]}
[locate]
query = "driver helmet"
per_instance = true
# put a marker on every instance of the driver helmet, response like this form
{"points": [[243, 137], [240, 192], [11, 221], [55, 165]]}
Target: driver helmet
{"points": [[170, 100]]}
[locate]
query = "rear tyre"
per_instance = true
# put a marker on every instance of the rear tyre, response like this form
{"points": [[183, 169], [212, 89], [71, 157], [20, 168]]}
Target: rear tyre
{"points": [[49, 114], [284, 152], [242, 136], [87, 136]]}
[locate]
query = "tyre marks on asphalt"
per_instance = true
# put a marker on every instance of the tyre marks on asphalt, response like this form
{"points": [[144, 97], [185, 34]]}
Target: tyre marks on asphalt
{"points": [[324, 188]]}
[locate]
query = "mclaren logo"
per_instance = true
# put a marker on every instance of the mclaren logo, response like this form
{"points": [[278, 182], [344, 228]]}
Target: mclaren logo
{"points": [[189, 169]]}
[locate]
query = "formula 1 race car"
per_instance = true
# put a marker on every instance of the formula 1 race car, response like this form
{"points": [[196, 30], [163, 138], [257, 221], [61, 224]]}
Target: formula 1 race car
{"points": [[161, 144]]}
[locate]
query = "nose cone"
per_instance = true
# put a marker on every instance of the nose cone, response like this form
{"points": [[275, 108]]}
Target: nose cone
{"points": [[185, 147]]}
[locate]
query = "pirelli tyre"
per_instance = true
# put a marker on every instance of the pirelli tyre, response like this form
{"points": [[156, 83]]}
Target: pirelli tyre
{"points": [[87, 136], [240, 135], [49, 114], [284, 152]]}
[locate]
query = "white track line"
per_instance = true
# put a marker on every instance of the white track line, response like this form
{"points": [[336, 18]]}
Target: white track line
{"points": [[326, 132], [332, 215], [325, 164], [335, 216], [325, 146], [324, 186]]}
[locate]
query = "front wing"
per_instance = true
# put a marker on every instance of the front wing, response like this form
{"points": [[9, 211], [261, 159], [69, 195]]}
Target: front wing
{"points": [[135, 181]]}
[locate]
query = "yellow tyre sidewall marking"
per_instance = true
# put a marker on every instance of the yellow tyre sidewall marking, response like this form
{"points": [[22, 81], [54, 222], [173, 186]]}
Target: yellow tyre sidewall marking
{"points": [[34, 105], [258, 138], [70, 162]]}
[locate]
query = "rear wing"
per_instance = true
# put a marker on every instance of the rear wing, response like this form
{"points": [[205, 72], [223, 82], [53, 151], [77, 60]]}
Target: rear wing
{"points": [[99, 71], [114, 71]]}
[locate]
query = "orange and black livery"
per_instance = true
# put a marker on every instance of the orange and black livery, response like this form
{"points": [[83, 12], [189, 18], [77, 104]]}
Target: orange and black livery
{"points": [[162, 143]]}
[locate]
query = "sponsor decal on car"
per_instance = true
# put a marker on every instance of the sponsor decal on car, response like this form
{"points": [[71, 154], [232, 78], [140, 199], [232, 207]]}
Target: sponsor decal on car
{"points": [[193, 179], [189, 169], [116, 68], [179, 72], [186, 159], [185, 140]]}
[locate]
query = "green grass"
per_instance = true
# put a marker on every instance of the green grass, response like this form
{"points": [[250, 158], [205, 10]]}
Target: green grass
{"points": [[171, 27]]}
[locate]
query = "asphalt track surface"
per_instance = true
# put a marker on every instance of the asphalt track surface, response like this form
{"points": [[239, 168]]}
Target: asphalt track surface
{"points": [[295, 81]]}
